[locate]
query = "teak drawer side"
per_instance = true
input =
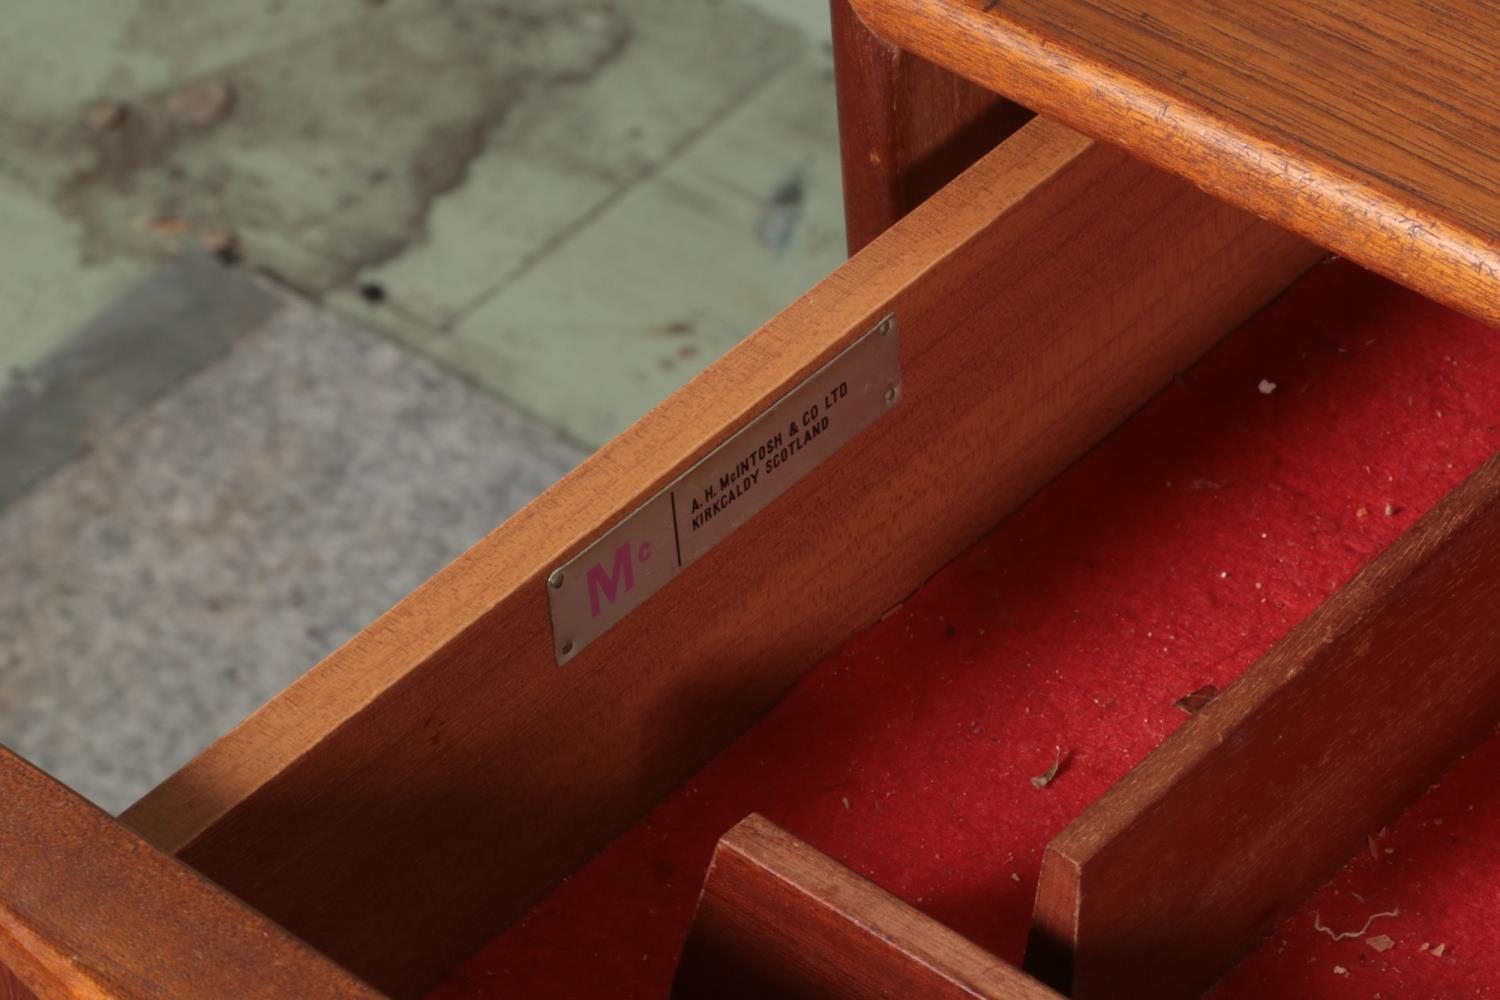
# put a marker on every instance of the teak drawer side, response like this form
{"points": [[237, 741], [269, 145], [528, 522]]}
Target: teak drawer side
{"points": [[432, 778]]}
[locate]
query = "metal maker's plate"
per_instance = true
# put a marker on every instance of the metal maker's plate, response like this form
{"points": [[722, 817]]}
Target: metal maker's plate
{"points": [[634, 559]]}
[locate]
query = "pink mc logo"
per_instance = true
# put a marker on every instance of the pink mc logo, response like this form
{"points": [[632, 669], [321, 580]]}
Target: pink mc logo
{"points": [[622, 571]]}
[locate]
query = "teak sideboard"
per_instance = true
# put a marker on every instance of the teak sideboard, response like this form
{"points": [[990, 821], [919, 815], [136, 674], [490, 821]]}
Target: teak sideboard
{"points": [[931, 491]]}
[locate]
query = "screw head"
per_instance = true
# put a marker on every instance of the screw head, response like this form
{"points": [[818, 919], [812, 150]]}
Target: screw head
{"points": [[890, 395], [556, 579], [567, 647]]}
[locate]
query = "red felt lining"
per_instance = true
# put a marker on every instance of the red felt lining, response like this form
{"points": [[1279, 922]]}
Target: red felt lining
{"points": [[1170, 557], [1438, 869]]}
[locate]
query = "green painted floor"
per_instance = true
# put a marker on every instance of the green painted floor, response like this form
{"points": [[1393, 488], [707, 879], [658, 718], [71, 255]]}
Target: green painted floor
{"points": [[512, 187]]}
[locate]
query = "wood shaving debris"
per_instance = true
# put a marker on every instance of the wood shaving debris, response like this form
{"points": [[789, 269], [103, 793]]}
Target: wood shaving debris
{"points": [[1043, 780], [1339, 970], [1362, 512], [1196, 701], [1267, 387], [1340, 935], [1437, 950], [846, 802], [1381, 942]]}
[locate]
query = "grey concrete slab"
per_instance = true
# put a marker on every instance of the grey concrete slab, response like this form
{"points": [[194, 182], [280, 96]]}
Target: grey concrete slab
{"points": [[222, 540], [175, 323]]}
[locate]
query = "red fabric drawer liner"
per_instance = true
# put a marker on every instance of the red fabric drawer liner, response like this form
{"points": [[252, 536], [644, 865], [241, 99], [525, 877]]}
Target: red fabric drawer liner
{"points": [[1170, 557]]}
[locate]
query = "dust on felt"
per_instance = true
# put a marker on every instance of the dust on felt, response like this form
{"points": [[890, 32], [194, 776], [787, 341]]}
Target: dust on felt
{"points": [[1362, 929]]}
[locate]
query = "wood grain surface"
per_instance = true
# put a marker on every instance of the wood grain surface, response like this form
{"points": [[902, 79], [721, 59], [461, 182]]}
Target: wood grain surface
{"points": [[1179, 870], [12, 988], [426, 783], [779, 919], [90, 911], [1373, 129], [906, 126]]}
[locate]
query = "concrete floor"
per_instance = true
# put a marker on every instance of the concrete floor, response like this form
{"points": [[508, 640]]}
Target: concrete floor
{"points": [[221, 540], [536, 219], [501, 176]]}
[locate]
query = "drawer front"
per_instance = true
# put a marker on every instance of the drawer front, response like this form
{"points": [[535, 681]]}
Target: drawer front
{"points": [[428, 781]]}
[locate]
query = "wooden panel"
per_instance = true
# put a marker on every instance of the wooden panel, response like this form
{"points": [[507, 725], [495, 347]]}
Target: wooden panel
{"points": [[426, 783], [11, 988], [1180, 868], [906, 126], [780, 919], [87, 909], [1371, 128]]}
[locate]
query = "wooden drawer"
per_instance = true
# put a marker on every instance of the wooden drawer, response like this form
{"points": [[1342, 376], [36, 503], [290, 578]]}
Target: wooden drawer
{"points": [[423, 786]]}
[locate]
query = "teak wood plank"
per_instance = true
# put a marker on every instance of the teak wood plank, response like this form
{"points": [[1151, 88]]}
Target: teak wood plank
{"points": [[430, 780], [1373, 129], [906, 126], [89, 910], [779, 919], [12, 988], [1176, 872]]}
